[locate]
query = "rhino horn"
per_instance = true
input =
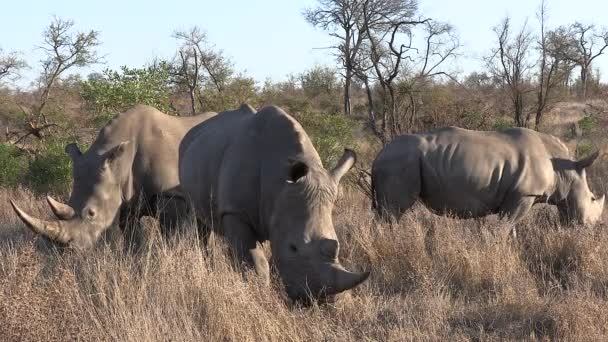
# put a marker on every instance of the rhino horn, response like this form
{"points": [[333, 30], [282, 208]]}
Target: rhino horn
{"points": [[53, 230], [62, 211], [345, 280]]}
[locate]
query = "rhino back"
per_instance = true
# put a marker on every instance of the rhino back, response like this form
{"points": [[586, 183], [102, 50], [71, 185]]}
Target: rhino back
{"points": [[236, 163], [471, 172], [154, 138], [202, 152]]}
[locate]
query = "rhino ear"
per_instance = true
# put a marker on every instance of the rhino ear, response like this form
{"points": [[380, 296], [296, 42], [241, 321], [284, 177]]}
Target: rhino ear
{"points": [[116, 151], [587, 161], [349, 158], [297, 170], [73, 151]]}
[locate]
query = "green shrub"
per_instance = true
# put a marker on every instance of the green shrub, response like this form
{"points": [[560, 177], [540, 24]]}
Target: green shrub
{"points": [[584, 148], [500, 124], [50, 170], [13, 165], [587, 124], [330, 134], [113, 92]]}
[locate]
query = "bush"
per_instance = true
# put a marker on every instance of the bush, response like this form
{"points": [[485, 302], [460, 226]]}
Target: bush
{"points": [[501, 124], [587, 124], [50, 171], [12, 166], [584, 148], [114, 91], [330, 134]]}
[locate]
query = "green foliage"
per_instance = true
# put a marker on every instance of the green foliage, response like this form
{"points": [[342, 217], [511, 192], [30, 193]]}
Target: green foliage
{"points": [[50, 170], [238, 90], [330, 134], [319, 80], [116, 91], [587, 124], [473, 119], [584, 148], [13, 165], [500, 124]]}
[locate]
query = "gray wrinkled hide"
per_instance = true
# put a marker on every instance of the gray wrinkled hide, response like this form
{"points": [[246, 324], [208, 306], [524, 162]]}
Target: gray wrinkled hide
{"points": [[254, 177], [476, 173], [133, 162]]}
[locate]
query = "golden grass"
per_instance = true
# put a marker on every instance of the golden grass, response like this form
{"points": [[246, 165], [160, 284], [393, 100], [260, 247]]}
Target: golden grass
{"points": [[433, 278]]}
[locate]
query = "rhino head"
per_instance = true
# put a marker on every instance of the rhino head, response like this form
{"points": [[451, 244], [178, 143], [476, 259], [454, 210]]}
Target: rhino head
{"points": [[304, 244], [574, 200], [94, 202]]}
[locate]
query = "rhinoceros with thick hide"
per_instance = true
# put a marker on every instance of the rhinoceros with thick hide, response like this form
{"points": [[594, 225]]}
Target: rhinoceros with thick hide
{"points": [[476, 173], [134, 157], [256, 177]]}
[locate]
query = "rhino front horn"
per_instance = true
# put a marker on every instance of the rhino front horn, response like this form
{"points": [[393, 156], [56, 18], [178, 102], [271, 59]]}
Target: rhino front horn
{"points": [[346, 280], [62, 211], [53, 230]]}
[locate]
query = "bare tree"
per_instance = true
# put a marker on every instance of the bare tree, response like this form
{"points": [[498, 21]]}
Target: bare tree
{"points": [[548, 68], [199, 64], [64, 50], [10, 64], [394, 59], [349, 24], [585, 45], [559, 47], [510, 62]]}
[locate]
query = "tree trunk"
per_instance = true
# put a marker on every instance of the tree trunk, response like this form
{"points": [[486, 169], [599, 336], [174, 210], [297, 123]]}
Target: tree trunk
{"points": [[192, 101], [370, 109], [347, 81], [584, 71]]}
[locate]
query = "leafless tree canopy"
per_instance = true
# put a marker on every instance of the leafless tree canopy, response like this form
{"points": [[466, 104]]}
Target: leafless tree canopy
{"points": [[548, 68], [197, 64], [510, 61], [10, 64], [350, 23], [581, 44], [64, 49]]}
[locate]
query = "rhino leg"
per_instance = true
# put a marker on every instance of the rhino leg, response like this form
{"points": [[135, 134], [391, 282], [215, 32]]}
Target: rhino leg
{"points": [[396, 192], [204, 231], [514, 208], [128, 222], [243, 242]]}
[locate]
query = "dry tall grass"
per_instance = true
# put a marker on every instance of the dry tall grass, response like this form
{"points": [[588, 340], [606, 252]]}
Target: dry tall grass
{"points": [[434, 278]]}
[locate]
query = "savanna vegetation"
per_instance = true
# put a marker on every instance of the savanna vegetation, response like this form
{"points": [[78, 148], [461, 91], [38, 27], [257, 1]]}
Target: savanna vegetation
{"points": [[434, 278]]}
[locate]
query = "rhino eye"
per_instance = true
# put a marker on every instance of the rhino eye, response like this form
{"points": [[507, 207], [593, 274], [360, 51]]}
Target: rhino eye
{"points": [[293, 248]]}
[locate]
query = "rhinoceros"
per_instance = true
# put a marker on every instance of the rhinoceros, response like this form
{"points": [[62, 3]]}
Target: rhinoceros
{"points": [[475, 173], [255, 177], [134, 157]]}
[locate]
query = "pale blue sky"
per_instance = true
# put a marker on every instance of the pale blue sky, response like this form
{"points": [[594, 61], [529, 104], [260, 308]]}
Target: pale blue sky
{"points": [[264, 38]]}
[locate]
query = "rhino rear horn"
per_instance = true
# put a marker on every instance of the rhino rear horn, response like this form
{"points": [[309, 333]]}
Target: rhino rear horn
{"points": [[587, 161], [62, 211], [52, 230], [346, 162]]}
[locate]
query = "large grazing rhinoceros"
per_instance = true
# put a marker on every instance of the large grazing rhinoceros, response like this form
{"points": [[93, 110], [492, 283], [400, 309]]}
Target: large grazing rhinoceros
{"points": [[475, 173], [256, 177], [134, 159]]}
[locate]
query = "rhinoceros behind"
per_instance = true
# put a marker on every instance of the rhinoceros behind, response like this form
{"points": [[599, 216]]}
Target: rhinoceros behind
{"points": [[135, 156], [254, 177], [476, 173]]}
